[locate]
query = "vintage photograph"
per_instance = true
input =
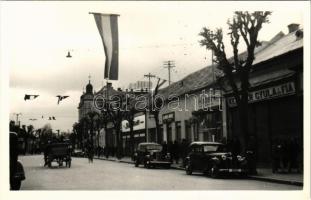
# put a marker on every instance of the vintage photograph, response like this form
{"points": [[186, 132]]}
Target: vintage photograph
{"points": [[154, 96]]}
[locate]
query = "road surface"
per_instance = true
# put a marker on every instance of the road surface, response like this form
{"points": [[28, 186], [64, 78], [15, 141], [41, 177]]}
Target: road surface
{"points": [[110, 175]]}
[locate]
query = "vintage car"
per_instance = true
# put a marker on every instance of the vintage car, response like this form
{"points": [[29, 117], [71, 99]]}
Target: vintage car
{"points": [[17, 174], [78, 153], [151, 155], [212, 159]]}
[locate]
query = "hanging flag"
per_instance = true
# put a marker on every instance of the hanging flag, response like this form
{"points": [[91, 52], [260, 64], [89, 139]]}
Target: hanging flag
{"points": [[30, 97], [107, 25]]}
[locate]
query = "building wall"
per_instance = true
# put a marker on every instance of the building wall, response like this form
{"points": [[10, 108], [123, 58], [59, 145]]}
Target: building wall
{"points": [[183, 126]]}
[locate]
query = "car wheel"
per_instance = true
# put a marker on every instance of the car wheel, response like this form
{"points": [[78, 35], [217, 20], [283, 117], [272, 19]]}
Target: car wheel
{"points": [[188, 168], [214, 171], [15, 184]]}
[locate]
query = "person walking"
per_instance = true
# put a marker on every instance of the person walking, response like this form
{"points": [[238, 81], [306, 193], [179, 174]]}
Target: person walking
{"points": [[90, 152], [176, 151], [251, 155]]}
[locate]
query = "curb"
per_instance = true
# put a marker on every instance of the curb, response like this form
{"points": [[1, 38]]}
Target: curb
{"points": [[271, 180], [296, 183]]}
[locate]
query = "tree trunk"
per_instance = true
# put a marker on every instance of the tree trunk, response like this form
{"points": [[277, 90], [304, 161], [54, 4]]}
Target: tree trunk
{"points": [[243, 112]]}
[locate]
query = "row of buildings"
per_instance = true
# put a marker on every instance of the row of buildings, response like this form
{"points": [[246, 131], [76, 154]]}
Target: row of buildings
{"points": [[275, 102]]}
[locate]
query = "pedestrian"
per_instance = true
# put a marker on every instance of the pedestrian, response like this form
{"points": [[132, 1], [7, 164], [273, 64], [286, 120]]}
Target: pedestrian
{"points": [[176, 151], [164, 148], [293, 155], [183, 150], [236, 147], [106, 152], [90, 151], [274, 154], [170, 150], [251, 155]]}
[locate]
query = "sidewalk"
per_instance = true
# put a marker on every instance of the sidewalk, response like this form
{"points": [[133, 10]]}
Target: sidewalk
{"points": [[264, 174]]}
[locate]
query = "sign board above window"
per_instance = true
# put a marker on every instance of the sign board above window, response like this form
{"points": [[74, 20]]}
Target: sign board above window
{"points": [[278, 91]]}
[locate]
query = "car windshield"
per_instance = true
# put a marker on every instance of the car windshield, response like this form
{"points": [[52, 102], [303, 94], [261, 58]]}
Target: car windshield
{"points": [[154, 147], [209, 148]]}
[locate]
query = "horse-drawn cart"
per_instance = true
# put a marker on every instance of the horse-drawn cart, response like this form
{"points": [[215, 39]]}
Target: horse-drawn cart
{"points": [[58, 152]]}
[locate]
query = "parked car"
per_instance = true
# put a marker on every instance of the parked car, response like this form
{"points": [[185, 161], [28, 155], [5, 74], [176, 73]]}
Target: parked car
{"points": [[151, 155], [212, 159], [17, 173], [78, 153]]}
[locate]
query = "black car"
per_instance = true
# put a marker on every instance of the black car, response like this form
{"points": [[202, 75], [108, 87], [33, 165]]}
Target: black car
{"points": [[212, 159], [78, 153], [151, 155], [17, 174]]}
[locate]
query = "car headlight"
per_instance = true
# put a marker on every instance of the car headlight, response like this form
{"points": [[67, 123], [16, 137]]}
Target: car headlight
{"points": [[224, 157], [240, 158]]}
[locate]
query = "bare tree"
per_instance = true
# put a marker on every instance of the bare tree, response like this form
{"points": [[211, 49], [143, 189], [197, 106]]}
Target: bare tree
{"points": [[236, 70], [116, 109], [129, 116], [155, 106]]}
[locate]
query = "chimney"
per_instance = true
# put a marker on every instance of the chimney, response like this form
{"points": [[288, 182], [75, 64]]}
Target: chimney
{"points": [[292, 27]]}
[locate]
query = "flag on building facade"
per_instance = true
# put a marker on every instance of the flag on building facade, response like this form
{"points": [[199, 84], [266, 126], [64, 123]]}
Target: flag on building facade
{"points": [[107, 25]]}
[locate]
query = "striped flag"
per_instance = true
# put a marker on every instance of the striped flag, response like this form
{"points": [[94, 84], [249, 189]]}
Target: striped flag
{"points": [[107, 25]]}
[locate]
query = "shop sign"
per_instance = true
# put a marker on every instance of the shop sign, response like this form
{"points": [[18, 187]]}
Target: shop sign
{"points": [[267, 93]]}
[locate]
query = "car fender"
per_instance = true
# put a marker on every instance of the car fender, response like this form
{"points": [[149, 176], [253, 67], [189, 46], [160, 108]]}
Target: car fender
{"points": [[215, 160]]}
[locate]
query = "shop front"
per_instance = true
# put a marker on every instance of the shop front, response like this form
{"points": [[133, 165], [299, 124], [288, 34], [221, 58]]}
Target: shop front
{"points": [[275, 114]]}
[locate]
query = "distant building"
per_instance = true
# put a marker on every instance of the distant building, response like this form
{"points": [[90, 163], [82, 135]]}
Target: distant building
{"points": [[86, 101], [138, 85]]}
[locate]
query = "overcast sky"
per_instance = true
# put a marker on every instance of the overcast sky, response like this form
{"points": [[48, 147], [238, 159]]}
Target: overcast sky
{"points": [[37, 35]]}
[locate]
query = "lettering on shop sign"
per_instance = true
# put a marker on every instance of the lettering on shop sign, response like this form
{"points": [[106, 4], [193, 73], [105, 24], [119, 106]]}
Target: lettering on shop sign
{"points": [[267, 93]]}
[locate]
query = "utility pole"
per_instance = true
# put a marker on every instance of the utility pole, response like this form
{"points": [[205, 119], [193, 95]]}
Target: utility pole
{"points": [[17, 114], [169, 65], [149, 76]]}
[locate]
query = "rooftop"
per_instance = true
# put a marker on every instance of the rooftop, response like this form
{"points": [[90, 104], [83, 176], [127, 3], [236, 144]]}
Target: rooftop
{"points": [[280, 44]]}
